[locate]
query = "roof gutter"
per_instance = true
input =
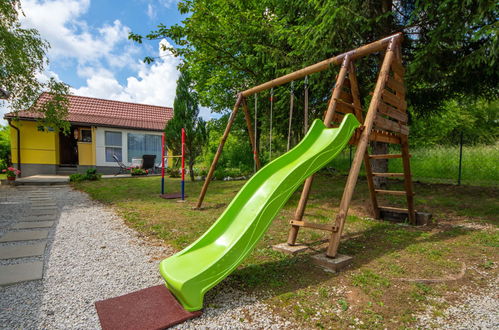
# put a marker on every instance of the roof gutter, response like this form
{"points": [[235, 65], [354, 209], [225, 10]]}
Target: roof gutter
{"points": [[18, 145]]}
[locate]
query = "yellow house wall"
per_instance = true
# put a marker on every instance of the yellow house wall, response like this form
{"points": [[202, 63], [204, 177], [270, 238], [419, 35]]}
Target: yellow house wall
{"points": [[85, 153], [36, 147]]}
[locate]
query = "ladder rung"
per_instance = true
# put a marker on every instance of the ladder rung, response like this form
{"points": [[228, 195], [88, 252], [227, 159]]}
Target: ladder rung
{"points": [[393, 209], [386, 156], [390, 192], [347, 104], [388, 175]]}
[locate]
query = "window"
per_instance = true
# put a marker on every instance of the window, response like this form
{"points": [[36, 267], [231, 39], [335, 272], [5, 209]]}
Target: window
{"points": [[143, 144], [113, 146], [86, 135]]}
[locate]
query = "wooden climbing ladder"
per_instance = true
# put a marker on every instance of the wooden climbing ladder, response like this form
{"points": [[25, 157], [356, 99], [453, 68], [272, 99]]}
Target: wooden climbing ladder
{"points": [[384, 121]]}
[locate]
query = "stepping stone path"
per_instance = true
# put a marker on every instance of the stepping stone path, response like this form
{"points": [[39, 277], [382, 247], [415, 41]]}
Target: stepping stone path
{"points": [[28, 239]]}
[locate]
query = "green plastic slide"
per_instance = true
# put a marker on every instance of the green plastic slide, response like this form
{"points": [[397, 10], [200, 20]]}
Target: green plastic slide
{"points": [[190, 273]]}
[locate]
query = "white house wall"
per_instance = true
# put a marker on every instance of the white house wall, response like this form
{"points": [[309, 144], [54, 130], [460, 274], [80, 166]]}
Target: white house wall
{"points": [[100, 146]]}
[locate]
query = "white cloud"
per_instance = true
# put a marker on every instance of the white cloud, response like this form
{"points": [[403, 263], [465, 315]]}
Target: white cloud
{"points": [[151, 12], [154, 84], [70, 37]]}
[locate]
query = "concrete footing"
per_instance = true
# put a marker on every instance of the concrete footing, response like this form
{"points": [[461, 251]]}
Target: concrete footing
{"points": [[332, 264], [289, 249]]}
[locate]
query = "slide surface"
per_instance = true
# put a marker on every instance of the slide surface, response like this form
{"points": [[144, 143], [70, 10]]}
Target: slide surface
{"points": [[190, 273]]}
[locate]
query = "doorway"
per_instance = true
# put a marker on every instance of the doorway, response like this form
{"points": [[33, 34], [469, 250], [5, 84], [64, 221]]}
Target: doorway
{"points": [[68, 149]]}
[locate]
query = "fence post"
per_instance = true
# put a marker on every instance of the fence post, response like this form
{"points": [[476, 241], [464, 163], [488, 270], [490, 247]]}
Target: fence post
{"points": [[460, 159]]}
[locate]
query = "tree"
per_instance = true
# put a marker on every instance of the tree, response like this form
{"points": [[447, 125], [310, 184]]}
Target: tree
{"points": [[186, 115], [450, 49], [22, 59]]}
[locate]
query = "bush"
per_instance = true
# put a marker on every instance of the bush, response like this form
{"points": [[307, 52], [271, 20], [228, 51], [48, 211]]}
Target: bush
{"points": [[137, 171], [77, 177], [90, 175]]}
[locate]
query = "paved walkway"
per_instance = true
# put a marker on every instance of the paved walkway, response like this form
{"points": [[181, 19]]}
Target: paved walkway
{"points": [[24, 238], [43, 180]]}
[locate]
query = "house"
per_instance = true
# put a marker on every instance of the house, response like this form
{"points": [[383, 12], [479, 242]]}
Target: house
{"points": [[99, 129]]}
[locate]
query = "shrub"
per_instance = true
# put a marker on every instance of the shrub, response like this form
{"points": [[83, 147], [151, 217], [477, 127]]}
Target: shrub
{"points": [[77, 177], [92, 175]]}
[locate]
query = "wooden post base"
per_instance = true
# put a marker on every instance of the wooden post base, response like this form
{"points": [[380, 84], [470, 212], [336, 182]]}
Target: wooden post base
{"points": [[289, 249], [332, 264]]}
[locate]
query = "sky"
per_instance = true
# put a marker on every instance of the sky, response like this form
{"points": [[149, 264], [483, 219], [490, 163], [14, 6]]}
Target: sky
{"points": [[91, 52]]}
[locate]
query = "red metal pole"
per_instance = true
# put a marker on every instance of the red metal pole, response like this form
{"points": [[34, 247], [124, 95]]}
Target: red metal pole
{"points": [[163, 163], [183, 162]]}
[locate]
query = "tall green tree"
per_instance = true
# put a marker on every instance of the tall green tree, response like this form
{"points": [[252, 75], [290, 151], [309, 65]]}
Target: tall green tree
{"points": [[186, 115], [22, 59], [450, 49]]}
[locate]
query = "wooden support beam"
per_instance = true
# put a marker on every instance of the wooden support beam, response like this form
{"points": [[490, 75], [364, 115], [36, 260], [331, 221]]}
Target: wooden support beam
{"points": [[251, 134], [328, 118], [334, 241], [408, 179], [219, 151], [324, 65], [346, 97], [354, 88], [327, 227]]}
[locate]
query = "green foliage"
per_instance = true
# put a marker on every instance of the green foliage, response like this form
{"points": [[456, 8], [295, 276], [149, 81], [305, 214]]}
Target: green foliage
{"points": [[4, 146], [185, 115], [22, 58], [450, 48], [90, 175], [237, 158], [477, 121], [77, 177]]}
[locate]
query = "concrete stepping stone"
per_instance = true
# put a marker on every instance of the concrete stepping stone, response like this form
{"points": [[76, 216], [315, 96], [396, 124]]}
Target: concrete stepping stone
{"points": [[44, 204], [33, 224], [43, 212], [14, 236], [10, 274], [45, 217], [22, 251], [43, 208]]}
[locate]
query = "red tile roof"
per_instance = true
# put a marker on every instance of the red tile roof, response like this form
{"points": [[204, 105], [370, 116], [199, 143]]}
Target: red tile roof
{"points": [[99, 112]]}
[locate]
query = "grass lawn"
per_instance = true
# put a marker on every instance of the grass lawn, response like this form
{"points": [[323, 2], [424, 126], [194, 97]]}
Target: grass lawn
{"points": [[369, 293]]}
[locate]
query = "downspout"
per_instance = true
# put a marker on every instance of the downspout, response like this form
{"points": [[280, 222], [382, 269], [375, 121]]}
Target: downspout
{"points": [[18, 145]]}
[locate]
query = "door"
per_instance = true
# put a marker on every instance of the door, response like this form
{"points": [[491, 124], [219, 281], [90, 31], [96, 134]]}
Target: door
{"points": [[68, 148]]}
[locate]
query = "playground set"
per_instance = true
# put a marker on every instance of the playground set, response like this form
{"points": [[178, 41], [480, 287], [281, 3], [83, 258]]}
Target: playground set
{"points": [[190, 273], [182, 169]]}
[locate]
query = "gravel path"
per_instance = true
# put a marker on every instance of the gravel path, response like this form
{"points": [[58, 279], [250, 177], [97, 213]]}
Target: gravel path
{"points": [[91, 255], [476, 310]]}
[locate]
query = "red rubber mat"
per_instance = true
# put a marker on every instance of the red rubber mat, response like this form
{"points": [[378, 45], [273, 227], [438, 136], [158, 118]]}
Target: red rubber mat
{"points": [[147, 309]]}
